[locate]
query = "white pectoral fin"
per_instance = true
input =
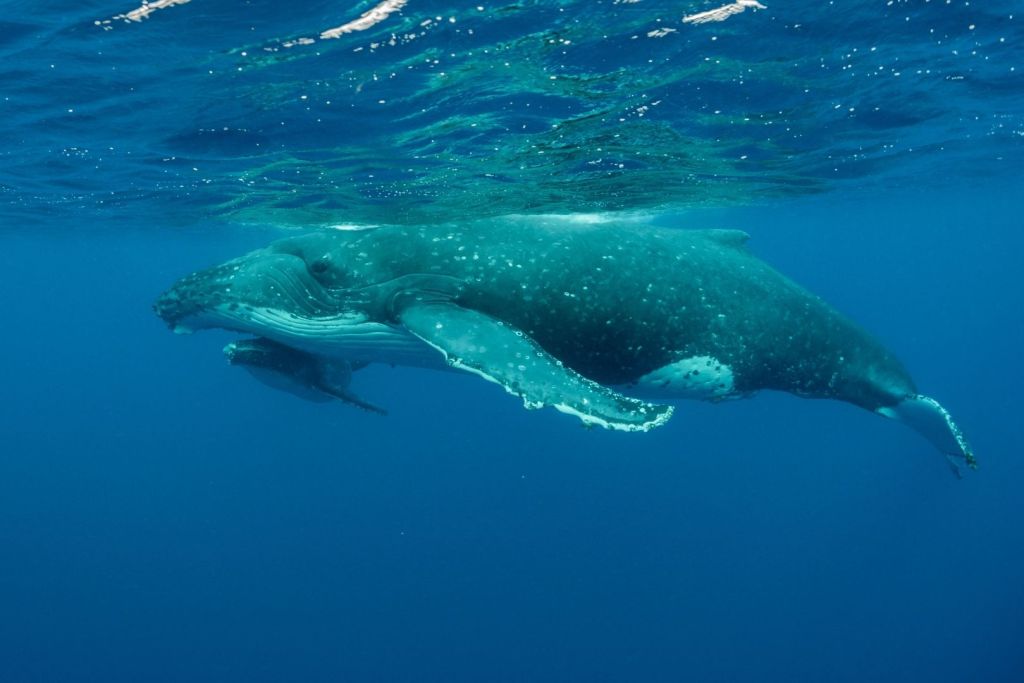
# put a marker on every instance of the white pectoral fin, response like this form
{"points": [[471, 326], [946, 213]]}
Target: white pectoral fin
{"points": [[927, 417], [494, 350]]}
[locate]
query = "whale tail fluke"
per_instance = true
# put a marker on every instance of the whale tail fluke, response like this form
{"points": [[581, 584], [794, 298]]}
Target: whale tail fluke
{"points": [[927, 417]]}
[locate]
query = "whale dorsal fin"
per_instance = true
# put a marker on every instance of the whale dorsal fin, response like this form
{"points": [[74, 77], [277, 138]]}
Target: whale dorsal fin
{"points": [[500, 353], [732, 238]]}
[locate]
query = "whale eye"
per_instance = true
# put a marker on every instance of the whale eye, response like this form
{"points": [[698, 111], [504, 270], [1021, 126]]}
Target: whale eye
{"points": [[321, 265]]}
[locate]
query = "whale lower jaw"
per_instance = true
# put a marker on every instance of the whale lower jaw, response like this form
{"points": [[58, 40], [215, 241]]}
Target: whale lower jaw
{"points": [[347, 336]]}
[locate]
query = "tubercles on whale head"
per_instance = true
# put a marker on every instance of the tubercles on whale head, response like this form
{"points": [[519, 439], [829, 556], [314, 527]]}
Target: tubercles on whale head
{"points": [[297, 277], [303, 292]]}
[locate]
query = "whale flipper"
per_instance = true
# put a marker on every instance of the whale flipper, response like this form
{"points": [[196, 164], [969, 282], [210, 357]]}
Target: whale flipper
{"points": [[348, 397], [498, 352]]}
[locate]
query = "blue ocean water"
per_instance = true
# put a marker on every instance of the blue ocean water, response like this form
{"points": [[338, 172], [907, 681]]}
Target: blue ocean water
{"points": [[165, 518]]}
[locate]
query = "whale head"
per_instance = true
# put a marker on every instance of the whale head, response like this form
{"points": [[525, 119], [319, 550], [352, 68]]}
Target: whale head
{"points": [[296, 289], [325, 293]]}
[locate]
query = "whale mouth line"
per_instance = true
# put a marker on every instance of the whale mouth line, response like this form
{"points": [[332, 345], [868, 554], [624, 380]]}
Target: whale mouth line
{"points": [[261, 280], [276, 323], [346, 322]]}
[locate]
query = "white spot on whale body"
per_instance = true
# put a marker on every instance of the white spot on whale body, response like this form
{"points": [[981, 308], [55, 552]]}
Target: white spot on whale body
{"points": [[703, 378]]}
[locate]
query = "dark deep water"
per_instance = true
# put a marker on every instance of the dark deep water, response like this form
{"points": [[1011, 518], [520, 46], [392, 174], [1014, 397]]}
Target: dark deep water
{"points": [[165, 518]]}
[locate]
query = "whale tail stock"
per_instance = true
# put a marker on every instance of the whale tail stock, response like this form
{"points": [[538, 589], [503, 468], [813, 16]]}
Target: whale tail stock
{"points": [[927, 417]]}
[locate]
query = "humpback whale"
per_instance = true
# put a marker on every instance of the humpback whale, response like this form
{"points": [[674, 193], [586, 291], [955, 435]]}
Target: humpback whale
{"points": [[602, 321]]}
